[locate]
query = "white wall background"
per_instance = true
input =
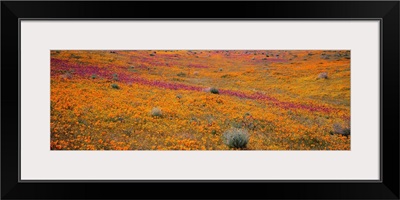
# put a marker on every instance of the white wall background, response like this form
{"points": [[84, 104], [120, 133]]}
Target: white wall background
{"points": [[39, 37]]}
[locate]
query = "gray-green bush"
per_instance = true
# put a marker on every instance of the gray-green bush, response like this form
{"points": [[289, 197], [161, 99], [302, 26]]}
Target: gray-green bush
{"points": [[114, 86], [323, 75], [342, 130], [236, 138], [214, 90], [156, 112]]}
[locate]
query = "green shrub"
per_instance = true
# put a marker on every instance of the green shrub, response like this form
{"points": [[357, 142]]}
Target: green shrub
{"points": [[236, 138], [115, 86], [93, 76], [214, 90]]}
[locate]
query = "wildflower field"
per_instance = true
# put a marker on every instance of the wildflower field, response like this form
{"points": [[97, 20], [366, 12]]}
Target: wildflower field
{"points": [[200, 100]]}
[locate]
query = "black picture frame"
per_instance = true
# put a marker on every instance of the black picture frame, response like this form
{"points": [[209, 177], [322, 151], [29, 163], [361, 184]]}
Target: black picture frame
{"points": [[386, 11]]}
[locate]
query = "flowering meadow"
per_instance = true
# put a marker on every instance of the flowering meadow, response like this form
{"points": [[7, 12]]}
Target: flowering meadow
{"points": [[200, 100]]}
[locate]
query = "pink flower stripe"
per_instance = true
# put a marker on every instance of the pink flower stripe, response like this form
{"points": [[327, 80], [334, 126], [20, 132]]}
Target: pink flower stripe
{"points": [[86, 71]]}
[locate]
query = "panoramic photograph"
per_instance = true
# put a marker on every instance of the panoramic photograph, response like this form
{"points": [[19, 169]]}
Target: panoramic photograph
{"points": [[224, 100]]}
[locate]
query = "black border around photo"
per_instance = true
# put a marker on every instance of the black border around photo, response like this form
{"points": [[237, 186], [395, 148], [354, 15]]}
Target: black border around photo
{"points": [[12, 12]]}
